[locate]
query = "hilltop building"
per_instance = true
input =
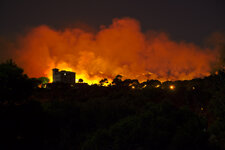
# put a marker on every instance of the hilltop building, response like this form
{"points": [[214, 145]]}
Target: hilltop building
{"points": [[63, 76]]}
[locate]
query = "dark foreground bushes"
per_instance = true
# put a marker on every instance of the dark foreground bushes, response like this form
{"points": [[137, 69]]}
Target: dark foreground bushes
{"points": [[118, 117], [160, 126]]}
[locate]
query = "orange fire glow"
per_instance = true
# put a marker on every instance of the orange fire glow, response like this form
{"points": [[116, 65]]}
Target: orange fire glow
{"points": [[120, 48], [66, 67], [172, 87]]}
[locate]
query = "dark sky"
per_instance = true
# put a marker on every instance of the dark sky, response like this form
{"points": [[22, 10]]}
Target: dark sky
{"points": [[190, 20]]}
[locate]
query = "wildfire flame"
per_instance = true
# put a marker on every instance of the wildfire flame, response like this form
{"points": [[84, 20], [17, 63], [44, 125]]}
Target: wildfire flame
{"points": [[64, 66], [172, 87], [120, 48]]}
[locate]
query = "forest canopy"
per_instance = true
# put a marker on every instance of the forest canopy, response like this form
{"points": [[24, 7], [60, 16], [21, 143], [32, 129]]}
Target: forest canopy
{"points": [[125, 115]]}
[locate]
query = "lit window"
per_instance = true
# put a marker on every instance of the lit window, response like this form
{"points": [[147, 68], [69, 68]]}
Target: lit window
{"points": [[64, 74]]}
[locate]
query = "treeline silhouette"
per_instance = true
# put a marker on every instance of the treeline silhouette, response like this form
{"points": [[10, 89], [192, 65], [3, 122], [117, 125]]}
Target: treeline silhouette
{"points": [[126, 115]]}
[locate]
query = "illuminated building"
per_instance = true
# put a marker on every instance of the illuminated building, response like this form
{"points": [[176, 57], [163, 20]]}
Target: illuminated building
{"points": [[63, 76]]}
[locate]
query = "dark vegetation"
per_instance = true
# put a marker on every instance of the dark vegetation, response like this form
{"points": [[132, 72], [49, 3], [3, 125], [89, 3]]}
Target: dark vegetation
{"points": [[126, 115]]}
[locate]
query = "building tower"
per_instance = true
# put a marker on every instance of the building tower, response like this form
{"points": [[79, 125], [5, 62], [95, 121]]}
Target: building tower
{"points": [[63, 76]]}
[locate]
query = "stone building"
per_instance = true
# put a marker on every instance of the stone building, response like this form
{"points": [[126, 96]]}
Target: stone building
{"points": [[63, 76]]}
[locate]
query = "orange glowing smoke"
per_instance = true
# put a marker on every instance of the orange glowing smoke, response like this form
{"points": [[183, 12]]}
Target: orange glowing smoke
{"points": [[120, 48]]}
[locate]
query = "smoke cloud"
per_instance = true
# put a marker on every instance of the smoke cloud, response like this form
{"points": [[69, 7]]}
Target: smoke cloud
{"points": [[120, 48]]}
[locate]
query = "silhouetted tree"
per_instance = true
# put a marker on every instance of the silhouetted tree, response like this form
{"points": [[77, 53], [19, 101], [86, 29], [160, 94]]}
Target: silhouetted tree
{"points": [[14, 85], [113, 117], [117, 80], [153, 83], [217, 108], [160, 127], [103, 81], [80, 81], [43, 81]]}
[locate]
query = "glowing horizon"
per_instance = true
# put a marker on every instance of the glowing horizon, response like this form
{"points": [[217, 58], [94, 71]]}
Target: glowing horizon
{"points": [[120, 48]]}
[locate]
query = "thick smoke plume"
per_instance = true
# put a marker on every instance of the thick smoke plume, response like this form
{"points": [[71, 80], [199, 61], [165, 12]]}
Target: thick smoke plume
{"points": [[120, 48]]}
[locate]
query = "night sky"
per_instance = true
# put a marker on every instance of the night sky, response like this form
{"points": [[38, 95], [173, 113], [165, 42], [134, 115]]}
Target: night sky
{"points": [[187, 20]]}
